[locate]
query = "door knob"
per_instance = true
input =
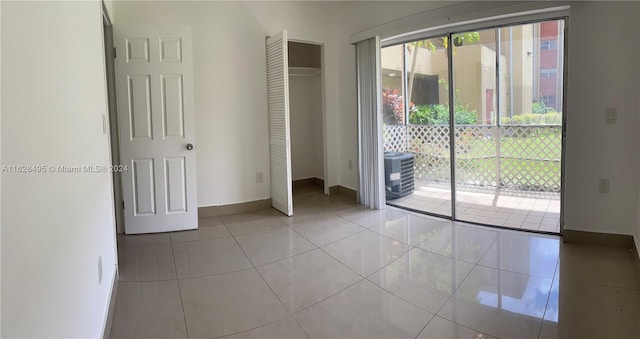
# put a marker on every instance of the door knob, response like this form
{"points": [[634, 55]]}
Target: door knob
{"points": [[189, 147]]}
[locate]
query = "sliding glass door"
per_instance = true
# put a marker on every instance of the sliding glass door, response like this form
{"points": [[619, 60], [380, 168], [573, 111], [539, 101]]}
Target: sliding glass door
{"points": [[415, 98], [498, 115]]}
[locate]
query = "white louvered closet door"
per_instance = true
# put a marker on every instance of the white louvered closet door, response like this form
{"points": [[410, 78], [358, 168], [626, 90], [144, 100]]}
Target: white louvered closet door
{"points": [[279, 123]]}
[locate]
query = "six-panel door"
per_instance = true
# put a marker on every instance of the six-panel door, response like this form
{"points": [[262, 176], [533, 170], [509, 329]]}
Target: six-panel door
{"points": [[154, 81]]}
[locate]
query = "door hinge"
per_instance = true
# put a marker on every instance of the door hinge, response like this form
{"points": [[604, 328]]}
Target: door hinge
{"points": [[122, 204], [114, 52]]}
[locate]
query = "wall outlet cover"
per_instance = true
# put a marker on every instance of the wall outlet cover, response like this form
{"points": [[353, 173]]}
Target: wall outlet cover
{"points": [[611, 115], [603, 186]]}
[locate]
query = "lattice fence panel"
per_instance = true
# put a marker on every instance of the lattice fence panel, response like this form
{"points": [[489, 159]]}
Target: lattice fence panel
{"points": [[522, 158], [430, 146], [476, 162], [395, 138], [531, 158]]}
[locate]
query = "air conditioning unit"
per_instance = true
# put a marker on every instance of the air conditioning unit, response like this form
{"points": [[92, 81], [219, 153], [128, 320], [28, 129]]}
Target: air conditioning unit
{"points": [[398, 174]]}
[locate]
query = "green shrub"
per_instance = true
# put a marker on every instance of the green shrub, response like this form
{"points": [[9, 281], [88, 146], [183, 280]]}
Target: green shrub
{"points": [[539, 107], [551, 118], [438, 114], [392, 107]]}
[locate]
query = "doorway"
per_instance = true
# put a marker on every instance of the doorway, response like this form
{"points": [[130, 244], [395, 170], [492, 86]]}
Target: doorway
{"points": [[487, 140], [109, 58]]}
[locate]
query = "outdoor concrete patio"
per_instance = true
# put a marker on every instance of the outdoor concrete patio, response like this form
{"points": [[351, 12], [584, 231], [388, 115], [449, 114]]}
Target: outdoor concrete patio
{"points": [[538, 211]]}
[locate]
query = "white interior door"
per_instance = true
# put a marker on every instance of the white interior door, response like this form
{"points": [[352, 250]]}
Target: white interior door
{"points": [[154, 82], [279, 123]]}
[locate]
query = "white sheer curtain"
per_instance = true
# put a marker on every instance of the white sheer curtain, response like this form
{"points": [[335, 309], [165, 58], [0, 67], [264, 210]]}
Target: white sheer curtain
{"points": [[370, 148]]}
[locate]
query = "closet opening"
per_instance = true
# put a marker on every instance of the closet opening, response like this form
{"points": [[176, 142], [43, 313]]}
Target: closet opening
{"points": [[306, 114]]}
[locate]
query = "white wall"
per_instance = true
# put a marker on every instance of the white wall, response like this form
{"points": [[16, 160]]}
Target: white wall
{"points": [[232, 138], [230, 84], [54, 226], [603, 54], [305, 105]]}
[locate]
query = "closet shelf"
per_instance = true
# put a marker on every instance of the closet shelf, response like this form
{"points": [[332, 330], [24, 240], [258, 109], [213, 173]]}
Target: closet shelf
{"points": [[303, 71]]}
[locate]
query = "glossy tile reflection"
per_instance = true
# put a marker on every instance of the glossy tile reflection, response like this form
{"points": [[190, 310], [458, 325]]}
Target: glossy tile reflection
{"points": [[460, 242], [366, 252], [499, 303], [337, 270], [426, 279], [410, 229], [363, 311], [523, 253]]}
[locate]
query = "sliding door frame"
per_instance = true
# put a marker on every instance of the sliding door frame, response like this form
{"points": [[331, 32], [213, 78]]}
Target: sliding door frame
{"points": [[523, 20], [452, 126]]}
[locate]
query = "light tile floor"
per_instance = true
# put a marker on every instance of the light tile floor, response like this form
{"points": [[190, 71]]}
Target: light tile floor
{"points": [[337, 270], [538, 211]]}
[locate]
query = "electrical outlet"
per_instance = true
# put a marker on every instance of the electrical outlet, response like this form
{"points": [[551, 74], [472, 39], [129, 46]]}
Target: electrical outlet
{"points": [[99, 269], [350, 164], [610, 115], [603, 186], [259, 177]]}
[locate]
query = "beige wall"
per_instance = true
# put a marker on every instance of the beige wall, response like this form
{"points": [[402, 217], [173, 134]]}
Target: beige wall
{"points": [[521, 43]]}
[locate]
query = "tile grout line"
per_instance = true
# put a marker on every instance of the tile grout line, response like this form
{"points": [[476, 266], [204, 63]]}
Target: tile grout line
{"points": [[546, 304], [270, 288], [215, 274], [253, 328], [246, 269], [456, 289], [366, 278], [293, 314], [327, 253], [184, 314], [399, 297], [363, 278]]}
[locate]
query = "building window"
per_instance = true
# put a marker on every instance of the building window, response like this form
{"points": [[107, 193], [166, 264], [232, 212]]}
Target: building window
{"points": [[548, 73], [549, 100], [548, 45]]}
